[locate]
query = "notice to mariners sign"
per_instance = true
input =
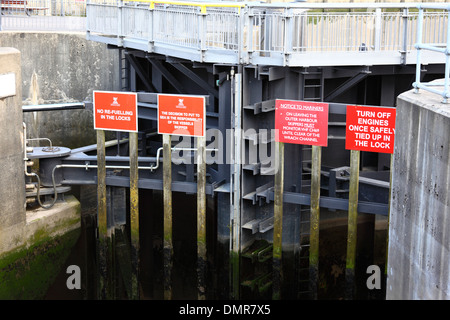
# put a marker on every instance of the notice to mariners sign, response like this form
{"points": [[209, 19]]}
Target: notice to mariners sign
{"points": [[182, 115], [301, 122], [370, 129], [115, 111]]}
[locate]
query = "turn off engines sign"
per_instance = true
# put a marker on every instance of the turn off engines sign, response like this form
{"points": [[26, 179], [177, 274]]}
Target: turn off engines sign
{"points": [[370, 129]]}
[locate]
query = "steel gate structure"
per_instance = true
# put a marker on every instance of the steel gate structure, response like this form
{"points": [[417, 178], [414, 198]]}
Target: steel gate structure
{"points": [[242, 57]]}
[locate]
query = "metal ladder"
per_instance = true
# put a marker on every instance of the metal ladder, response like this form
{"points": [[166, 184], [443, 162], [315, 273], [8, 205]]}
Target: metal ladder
{"points": [[124, 67]]}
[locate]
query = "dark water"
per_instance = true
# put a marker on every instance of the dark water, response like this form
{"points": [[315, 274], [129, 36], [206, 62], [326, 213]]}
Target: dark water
{"points": [[331, 283]]}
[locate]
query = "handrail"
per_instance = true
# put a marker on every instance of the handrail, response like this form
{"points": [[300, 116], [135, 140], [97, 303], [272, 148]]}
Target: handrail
{"points": [[202, 5], [265, 33], [443, 48], [293, 5]]}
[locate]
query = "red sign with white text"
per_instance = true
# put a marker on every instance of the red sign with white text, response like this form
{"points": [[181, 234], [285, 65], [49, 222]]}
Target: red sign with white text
{"points": [[116, 111], [182, 115], [370, 129], [301, 122]]}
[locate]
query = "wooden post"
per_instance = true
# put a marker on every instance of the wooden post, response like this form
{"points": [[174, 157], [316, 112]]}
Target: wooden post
{"points": [[104, 244], [314, 219], [278, 220], [167, 196], [201, 218], [352, 223], [134, 213]]}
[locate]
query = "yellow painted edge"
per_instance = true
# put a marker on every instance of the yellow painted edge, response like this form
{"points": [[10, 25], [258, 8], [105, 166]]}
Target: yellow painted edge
{"points": [[192, 4]]}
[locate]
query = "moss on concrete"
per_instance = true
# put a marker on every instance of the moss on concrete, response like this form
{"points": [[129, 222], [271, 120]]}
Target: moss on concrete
{"points": [[27, 273]]}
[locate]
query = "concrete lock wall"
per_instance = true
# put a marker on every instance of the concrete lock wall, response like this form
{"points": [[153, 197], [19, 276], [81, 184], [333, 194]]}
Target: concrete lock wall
{"points": [[12, 188], [60, 68], [419, 231], [34, 243]]}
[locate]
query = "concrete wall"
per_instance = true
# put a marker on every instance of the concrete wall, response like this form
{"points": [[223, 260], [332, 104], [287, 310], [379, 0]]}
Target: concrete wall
{"points": [[25, 272], [12, 188], [419, 231], [59, 68]]}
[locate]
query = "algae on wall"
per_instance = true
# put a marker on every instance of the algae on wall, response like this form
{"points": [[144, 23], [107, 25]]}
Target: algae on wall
{"points": [[27, 273]]}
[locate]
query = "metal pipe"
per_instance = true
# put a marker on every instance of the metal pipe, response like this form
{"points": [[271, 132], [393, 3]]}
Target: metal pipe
{"points": [[151, 168], [39, 139], [54, 107], [33, 174], [419, 52], [431, 48], [446, 92], [235, 183]]}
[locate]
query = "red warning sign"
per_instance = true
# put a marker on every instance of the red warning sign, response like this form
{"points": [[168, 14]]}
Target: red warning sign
{"points": [[116, 111], [370, 129], [182, 115], [301, 122]]}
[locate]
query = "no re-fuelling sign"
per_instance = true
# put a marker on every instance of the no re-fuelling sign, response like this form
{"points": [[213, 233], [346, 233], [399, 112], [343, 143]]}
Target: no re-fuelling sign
{"points": [[115, 111]]}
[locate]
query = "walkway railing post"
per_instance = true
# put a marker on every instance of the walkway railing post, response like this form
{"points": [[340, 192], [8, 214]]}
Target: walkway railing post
{"points": [[134, 213], [352, 223], [378, 29], [167, 196]]}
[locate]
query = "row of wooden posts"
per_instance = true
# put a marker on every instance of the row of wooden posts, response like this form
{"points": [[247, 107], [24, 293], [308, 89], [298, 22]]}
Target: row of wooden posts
{"points": [[314, 221], [106, 234]]}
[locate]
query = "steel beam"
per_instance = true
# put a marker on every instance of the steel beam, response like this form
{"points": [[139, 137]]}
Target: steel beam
{"points": [[363, 74], [197, 79], [157, 64], [140, 72]]}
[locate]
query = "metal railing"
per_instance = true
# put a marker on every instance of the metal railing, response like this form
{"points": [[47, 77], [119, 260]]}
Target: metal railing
{"points": [[273, 34], [43, 15], [436, 44]]}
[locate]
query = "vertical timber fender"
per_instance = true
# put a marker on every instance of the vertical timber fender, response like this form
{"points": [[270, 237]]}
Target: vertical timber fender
{"points": [[134, 214], [352, 223], [278, 220], [315, 219], [167, 195], [201, 218]]}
